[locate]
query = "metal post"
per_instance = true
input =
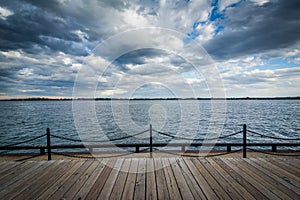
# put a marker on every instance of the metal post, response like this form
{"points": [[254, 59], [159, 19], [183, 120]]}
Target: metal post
{"points": [[42, 151], [48, 144], [150, 140], [244, 141], [228, 148]]}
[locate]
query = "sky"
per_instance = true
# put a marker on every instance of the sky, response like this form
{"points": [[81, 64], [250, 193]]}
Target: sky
{"points": [[149, 48]]}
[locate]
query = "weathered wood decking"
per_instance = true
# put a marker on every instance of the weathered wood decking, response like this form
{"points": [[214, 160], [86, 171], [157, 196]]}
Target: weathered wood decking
{"points": [[157, 178]]}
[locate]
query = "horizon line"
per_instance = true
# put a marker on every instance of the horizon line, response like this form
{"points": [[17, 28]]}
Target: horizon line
{"points": [[149, 98]]}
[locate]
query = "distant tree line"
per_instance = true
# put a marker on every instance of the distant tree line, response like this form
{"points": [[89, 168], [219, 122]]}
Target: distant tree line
{"points": [[136, 99]]}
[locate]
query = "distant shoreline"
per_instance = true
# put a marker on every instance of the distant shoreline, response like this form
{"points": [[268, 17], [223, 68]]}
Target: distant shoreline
{"points": [[151, 99]]}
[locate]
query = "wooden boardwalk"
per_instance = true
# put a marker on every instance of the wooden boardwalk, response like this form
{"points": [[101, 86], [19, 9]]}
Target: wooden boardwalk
{"points": [[157, 178]]}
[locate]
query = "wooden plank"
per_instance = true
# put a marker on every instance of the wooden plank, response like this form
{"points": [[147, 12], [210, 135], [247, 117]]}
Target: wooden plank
{"points": [[294, 161], [44, 181], [182, 185], [270, 184], [128, 191], [151, 192], [83, 192], [121, 180], [170, 179], [288, 177], [285, 165], [15, 176], [247, 175], [16, 184], [241, 180], [203, 184], [219, 190], [110, 182], [58, 183], [221, 181], [230, 181], [97, 187], [14, 173], [190, 180], [154, 178], [293, 173], [140, 184], [23, 186], [161, 185], [78, 183], [3, 165], [64, 183], [68, 182], [6, 166], [284, 186]]}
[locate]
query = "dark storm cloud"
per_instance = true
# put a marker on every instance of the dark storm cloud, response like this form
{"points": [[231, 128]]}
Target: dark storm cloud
{"points": [[249, 28], [92, 17], [7, 79], [138, 57], [149, 56], [31, 27]]}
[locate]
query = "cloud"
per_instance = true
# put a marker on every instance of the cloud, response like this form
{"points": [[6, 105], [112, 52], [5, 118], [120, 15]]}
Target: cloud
{"points": [[4, 13], [206, 32], [226, 3], [33, 28], [68, 26], [264, 82], [36, 72], [256, 28], [48, 46], [31, 91], [260, 2]]}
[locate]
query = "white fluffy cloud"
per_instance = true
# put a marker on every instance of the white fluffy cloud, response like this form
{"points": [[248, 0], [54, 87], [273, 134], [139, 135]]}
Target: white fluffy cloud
{"points": [[260, 2], [225, 3], [4, 13]]}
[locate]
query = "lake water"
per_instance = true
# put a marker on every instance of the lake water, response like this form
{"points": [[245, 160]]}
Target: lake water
{"points": [[98, 120]]}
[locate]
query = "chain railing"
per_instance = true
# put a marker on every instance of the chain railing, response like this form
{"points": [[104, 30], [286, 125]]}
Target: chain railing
{"points": [[273, 137], [151, 146], [274, 146], [14, 146], [23, 142], [99, 141], [193, 139]]}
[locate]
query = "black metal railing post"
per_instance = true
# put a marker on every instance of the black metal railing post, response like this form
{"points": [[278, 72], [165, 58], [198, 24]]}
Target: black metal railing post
{"points": [[150, 140], [244, 141], [274, 148], [42, 151], [48, 144]]}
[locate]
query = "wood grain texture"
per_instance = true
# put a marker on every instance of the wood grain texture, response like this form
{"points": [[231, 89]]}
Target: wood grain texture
{"points": [[152, 178]]}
